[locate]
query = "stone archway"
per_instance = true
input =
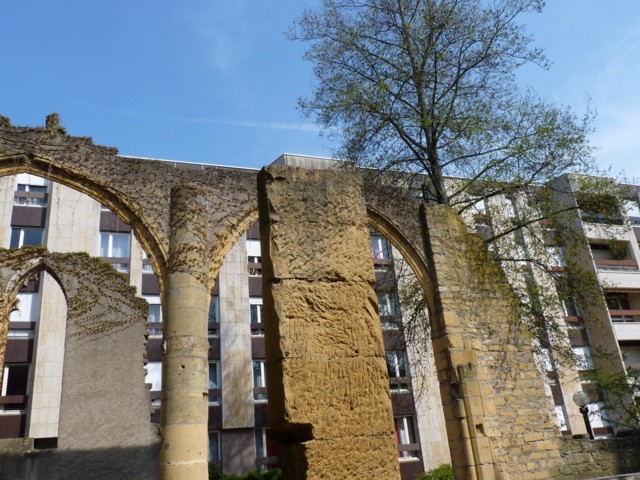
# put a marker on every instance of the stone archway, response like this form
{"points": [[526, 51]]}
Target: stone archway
{"points": [[104, 426], [187, 220]]}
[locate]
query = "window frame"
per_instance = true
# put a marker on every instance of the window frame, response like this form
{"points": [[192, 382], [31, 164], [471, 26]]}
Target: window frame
{"points": [[21, 235], [259, 381], [109, 247]]}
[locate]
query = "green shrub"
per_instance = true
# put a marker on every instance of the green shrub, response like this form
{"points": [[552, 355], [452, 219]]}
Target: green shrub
{"points": [[443, 472], [256, 474]]}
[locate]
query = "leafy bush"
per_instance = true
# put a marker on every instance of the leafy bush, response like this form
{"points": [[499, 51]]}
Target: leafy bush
{"points": [[256, 474], [443, 472]]}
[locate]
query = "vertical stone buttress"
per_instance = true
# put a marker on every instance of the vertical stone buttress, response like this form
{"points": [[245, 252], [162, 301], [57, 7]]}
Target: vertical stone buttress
{"points": [[183, 425], [329, 400], [497, 417]]}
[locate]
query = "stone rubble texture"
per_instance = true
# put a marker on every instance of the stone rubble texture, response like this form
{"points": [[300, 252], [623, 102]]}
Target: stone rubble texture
{"points": [[329, 399]]}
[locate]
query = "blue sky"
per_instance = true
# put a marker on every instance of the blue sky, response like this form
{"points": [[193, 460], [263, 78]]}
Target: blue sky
{"points": [[216, 81]]}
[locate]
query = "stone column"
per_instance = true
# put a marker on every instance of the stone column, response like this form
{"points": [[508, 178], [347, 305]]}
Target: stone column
{"points": [[183, 425], [329, 400]]}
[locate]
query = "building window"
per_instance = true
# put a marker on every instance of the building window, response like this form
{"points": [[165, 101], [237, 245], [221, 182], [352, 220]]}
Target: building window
{"points": [[561, 418], [521, 252], [569, 308], [14, 382], [214, 447], [213, 325], [479, 212], [545, 360], [21, 237], [380, 248], [387, 304], [512, 208], [259, 381], [22, 187], [267, 450], [261, 442], [397, 370], [155, 313], [257, 316], [154, 376], [617, 301], [115, 245], [583, 358], [154, 316], [254, 259], [27, 308], [255, 271], [25, 199], [406, 437], [214, 381], [121, 267], [556, 256]]}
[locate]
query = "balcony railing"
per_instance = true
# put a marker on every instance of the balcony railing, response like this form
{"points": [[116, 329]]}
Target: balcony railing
{"points": [[257, 329], [612, 219], [154, 329], [267, 462], [30, 199], [409, 450], [260, 393], [626, 265], [399, 384], [13, 402], [625, 315]]}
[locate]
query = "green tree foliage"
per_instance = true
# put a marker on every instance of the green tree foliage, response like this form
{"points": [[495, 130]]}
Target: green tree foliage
{"points": [[256, 474], [424, 94], [428, 87], [622, 400], [443, 472]]}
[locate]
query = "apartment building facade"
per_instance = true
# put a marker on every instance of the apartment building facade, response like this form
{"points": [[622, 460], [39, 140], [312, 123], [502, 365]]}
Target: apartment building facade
{"points": [[601, 333]]}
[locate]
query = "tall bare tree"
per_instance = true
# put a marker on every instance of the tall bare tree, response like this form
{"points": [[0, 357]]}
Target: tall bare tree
{"points": [[428, 87]]}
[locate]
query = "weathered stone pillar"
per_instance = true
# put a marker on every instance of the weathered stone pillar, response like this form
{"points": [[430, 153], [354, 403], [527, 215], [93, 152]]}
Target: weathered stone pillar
{"points": [[183, 426], [498, 420], [329, 401]]}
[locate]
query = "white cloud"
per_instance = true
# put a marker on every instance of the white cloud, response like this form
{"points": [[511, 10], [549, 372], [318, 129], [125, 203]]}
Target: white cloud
{"points": [[304, 127], [214, 24]]}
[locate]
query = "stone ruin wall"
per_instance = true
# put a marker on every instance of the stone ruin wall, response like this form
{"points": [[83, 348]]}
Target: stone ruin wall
{"points": [[497, 420], [104, 428], [329, 399]]}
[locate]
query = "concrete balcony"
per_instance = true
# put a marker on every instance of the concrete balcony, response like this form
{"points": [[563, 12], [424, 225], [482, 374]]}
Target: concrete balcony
{"points": [[626, 324], [595, 231], [618, 273], [616, 265]]}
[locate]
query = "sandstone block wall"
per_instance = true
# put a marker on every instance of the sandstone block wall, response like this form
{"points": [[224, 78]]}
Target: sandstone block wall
{"points": [[584, 458], [498, 420], [328, 388]]}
